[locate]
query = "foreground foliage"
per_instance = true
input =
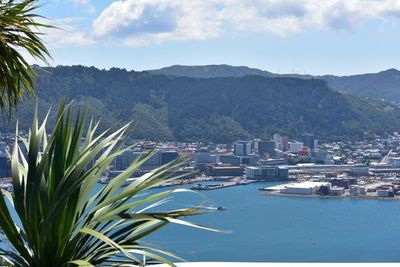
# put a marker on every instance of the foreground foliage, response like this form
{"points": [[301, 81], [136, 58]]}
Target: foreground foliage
{"points": [[63, 220], [19, 32]]}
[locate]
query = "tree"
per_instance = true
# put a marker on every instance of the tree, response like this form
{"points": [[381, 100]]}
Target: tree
{"points": [[63, 220], [19, 32]]}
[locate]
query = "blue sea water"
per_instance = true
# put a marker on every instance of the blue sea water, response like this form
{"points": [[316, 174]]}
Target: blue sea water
{"points": [[262, 228], [285, 229]]}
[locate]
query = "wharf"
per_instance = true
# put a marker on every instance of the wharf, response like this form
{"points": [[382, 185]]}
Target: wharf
{"points": [[272, 193], [220, 185], [369, 194], [186, 181]]}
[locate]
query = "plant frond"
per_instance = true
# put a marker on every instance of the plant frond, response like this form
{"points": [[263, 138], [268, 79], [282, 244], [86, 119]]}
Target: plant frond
{"points": [[64, 220]]}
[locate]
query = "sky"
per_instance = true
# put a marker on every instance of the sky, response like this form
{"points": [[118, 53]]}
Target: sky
{"points": [[340, 37]]}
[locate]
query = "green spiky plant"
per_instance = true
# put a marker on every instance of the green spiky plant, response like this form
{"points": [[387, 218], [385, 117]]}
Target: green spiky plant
{"points": [[19, 32], [63, 220]]}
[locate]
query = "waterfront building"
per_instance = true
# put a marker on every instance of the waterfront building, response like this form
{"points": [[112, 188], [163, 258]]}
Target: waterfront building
{"points": [[382, 193], [266, 173], [337, 191], [220, 169], [305, 188], [354, 190]]}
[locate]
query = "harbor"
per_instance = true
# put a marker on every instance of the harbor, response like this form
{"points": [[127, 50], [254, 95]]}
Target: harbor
{"points": [[313, 229]]}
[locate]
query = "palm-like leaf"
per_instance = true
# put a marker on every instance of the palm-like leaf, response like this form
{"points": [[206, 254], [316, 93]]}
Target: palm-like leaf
{"points": [[63, 221], [19, 31]]}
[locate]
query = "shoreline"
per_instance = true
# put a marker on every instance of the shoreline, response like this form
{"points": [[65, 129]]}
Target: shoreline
{"points": [[318, 196]]}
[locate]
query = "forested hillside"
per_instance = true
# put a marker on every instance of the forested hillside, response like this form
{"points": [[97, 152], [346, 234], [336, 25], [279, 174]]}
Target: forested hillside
{"points": [[381, 85], [215, 109]]}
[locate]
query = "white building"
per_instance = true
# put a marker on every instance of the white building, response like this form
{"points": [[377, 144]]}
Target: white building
{"points": [[278, 141], [295, 146], [306, 188]]}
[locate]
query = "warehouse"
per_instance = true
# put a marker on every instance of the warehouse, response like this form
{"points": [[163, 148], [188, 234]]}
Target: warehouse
{"points": [[306, 188]]}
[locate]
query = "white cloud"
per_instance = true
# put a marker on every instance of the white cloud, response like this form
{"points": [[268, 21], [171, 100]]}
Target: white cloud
{"points": [[137, 22], [157, 20], [69, 33]]}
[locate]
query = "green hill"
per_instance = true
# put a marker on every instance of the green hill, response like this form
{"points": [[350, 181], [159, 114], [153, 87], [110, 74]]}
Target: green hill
{"points": [[381, 85], [214, 109]]}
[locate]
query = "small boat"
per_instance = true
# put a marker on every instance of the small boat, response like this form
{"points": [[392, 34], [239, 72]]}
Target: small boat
{"points": [[221, 208]]}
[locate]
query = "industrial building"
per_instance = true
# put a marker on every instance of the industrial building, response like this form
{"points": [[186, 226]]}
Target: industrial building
{"points": [[305, 188]]}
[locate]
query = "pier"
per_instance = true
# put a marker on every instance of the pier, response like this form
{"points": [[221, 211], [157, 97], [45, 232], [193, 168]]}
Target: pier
{"points": [[220, 185]]}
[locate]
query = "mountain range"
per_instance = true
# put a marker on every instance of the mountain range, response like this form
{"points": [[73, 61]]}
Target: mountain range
{"points": [[219, 109], [382, 85]]}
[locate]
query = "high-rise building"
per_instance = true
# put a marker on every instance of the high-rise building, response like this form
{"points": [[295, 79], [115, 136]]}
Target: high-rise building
{"points": [[285, 142], [266, 147], [315, 144], [242, 148], [278, 141], [308, 140]]}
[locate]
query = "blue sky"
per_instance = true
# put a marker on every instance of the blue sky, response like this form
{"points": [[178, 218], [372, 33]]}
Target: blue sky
{"points": [[339, 37]]}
